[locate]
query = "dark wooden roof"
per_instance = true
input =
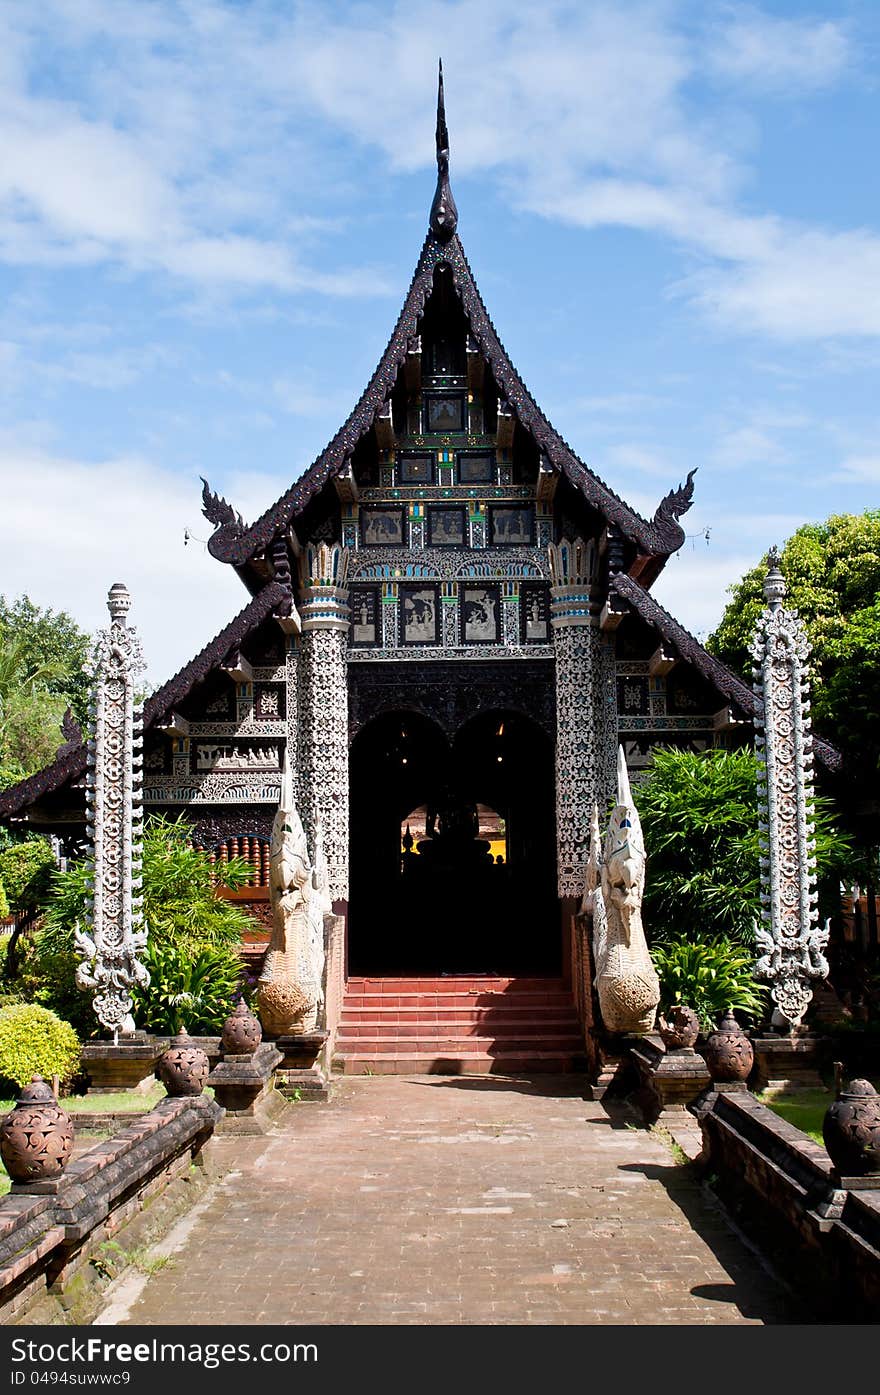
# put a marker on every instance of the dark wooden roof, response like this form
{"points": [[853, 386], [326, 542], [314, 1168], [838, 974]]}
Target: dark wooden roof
{"points": [[237, 543], [738, 693], [70, 761]]}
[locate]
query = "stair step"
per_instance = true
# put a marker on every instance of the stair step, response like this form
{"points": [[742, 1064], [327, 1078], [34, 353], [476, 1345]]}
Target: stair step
{"points": [[461, 1063], [463, 1024], [455, 983], [448, 1031], [457, 1046], [452, 1000], [430, 1012]]}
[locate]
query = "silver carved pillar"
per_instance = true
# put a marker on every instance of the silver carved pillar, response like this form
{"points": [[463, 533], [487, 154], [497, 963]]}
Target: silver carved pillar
{"points": [[116, 933], [580, 774], [323, 730], [791, 940]]}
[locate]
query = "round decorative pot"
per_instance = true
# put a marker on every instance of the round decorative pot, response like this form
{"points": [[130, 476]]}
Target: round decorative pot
{"points": [[851, 1130], [680, 1029], [728, 1053], [36, 1136], [184, 1067], [242, 1032]]}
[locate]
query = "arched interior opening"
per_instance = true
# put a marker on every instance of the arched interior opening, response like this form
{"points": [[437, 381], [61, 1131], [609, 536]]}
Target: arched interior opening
{"points": [[452, 848]]}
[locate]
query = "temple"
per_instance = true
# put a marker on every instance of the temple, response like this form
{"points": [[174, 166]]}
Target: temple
{"points": [[448, 632]]}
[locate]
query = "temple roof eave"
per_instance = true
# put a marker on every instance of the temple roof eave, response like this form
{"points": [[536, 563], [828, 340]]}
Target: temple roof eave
{"points": [[238, 543]]}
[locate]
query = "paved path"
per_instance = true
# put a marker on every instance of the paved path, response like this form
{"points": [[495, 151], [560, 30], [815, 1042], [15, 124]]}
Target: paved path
{"points": [[454, 1200]]}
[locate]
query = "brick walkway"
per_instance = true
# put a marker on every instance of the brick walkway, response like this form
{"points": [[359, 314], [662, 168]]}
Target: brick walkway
{"points": [[454, 1200]]}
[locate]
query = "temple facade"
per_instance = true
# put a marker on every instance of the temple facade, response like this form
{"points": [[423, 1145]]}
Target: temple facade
{"points": [[449, 631]]}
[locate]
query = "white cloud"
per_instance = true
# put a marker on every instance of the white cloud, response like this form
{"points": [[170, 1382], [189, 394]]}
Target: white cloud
{"points": [[776, 54], [858, 469], [195, 140], [72, 528], [694, 583]]}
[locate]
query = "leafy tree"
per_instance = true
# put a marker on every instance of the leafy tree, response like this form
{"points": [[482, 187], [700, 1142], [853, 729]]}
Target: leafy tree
{"points": [[55, 643], [832, 571], [700, 819], [42, 657], [25, 872]]}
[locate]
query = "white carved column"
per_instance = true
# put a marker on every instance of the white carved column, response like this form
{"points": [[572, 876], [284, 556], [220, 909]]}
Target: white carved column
{"points": [[116, 934], [323, 702], [791, 940], [580, 778]]}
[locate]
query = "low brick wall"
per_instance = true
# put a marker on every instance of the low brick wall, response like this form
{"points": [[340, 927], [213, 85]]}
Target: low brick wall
{"points": [[56, 1254], [781, 1188]]}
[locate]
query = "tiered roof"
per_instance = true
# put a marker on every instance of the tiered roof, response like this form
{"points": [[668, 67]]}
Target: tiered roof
{"points": [[654, 539]]}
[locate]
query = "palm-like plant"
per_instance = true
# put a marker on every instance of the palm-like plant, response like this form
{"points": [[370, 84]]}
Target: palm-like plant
{"points": [[709, 976]]}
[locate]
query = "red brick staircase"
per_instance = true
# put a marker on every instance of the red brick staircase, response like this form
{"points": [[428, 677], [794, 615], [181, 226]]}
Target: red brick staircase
{"points": [[458, 1026]]}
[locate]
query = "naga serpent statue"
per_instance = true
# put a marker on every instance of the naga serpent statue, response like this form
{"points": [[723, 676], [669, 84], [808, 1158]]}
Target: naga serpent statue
{"points": [[290, 990], [626, 980]]}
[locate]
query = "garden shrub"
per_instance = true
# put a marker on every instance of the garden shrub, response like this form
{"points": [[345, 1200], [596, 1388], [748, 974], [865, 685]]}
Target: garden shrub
{"points": [[710, 976], [699, 814], [35, 1041], [4, 903], [185, 919], [190, 989]]}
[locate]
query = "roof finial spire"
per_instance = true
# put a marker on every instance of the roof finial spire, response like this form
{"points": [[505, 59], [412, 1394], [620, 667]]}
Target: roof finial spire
{"points": [[444, 214]]}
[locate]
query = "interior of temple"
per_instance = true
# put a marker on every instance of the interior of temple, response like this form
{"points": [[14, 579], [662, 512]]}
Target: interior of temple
{"points": [[470, 888]]}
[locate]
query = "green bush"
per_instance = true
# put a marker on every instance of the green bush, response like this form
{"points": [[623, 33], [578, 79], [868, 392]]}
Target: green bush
{"points": [[185, 920], [699, 814], [191, 989], [4, 904], [180, 902], [35, 1041], [709, 976]]}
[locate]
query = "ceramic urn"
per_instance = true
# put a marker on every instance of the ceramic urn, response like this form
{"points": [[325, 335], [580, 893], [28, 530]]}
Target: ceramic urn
{"points": [[36, 1137], [184, 1067], [242, 1032], [851, 1130], [680, 1028], [728, 1053]]}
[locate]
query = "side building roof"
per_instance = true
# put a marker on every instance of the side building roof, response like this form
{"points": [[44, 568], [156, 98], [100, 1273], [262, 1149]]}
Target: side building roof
{"points": [[738, 693], [70, 761]]}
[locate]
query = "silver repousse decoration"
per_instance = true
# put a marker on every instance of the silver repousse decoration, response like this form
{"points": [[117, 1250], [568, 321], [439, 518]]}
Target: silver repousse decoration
{"points": [[117, 935], [791, 940], [586, 747], [323, 722]]}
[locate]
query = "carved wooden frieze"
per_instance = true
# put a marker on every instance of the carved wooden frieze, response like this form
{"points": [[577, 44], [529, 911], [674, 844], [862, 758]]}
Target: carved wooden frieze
{"points": [[450, 694]]}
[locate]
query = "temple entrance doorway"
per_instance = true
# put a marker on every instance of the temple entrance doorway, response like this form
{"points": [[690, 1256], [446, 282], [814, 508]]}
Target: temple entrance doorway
{"points": [[452, 848]]}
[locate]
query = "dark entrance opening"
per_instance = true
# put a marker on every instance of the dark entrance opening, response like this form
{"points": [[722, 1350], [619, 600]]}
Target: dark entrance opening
{"points": [[452, 848]]}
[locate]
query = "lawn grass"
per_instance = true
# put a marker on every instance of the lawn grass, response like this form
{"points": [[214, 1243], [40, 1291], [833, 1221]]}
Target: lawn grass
{"points": [[803, 1108], [120, 1102]]}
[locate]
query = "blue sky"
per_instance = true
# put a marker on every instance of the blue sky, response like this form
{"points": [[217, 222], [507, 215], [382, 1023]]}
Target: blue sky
{"points": [[210, 213]]}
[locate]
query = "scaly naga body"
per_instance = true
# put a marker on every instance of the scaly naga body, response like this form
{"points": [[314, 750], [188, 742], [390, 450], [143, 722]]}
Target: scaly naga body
{"points": [[290, 990], [626, 980]]}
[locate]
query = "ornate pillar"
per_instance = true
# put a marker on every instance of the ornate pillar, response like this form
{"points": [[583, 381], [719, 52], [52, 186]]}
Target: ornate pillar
{"points": [[113, 792], [292, 673], [580, 775], [322, 754], [791, 940]]}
